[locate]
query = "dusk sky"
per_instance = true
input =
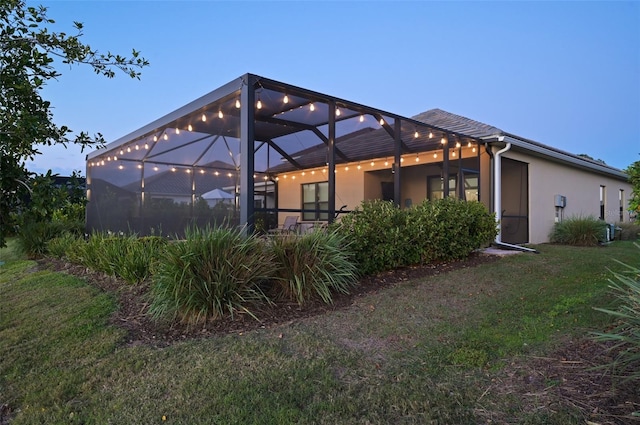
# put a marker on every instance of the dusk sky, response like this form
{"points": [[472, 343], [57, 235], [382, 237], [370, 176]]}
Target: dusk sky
{"points": [[566, 74]]}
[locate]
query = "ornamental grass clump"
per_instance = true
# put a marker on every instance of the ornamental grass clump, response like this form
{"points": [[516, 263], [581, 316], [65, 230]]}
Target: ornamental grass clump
{"points": [[128, 257], [626, 333], [579, 231], [312, 265], [215, 272]]}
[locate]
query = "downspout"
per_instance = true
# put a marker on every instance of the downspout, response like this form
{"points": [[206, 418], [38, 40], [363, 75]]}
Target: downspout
{"points": [[497, 198]]}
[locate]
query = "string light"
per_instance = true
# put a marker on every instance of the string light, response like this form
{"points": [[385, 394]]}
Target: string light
{"points": [[430, 135], [381, 121], [201, 171], [128, 148], [285, 99], [155, 168], [416, 134], [215, 173], [469, 144], [359, 167], [137, 147], [259, 104], [204, 118], [417, 158], [121, 152], [373, 163], [435, 155], [443, 141], [146, 146], [177, 131], [458, 145], [188, 171], [473, 149], [155, 138], [346, 168], [139, 166], [190, 128], [361, 118], [173, 169], [166, 136], [312, 107], [220, 114], [237, 104], [337, 112], [453, 153]]}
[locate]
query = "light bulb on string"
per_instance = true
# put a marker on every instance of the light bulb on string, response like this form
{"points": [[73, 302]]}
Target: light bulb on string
{"points": [[166, 136], [312, 107], [416, 134], [177, 131], [458, 145], [285, 99], [128, 148], [220, 114], [121, 152], [146, 146], [373, 163], [337, 112], [237, 104], [430, 135], [381, 121], [361, 118], [190, 128], [137, 147], [443, 141], [435, 155], [155, 138], [204, 118], [259, 104]]}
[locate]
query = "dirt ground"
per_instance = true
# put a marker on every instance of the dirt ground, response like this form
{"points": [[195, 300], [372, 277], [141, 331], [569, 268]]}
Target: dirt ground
{"points": [[563, 379]]}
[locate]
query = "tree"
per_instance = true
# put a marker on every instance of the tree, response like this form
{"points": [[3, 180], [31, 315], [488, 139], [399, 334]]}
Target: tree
{"points": [[28, 51], [633, 171]]}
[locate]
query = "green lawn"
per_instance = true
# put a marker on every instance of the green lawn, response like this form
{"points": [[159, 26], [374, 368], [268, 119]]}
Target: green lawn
{"points": [[424, 351]]}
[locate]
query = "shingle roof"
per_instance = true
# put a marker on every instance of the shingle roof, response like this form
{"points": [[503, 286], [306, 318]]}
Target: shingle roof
{"points": [[456, 123]]}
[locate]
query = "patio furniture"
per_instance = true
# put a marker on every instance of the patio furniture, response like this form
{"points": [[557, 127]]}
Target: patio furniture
{"points": [[290, 224]]}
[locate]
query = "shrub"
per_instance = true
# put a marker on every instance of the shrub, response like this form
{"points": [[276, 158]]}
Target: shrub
{"points": [[626, 334], [385, 237], [579, 231], [214, 272], [375, 230], [314, 264], [628, 231], [33, 236]]}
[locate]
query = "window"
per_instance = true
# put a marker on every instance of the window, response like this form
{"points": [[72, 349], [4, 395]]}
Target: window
{"points": [[315, 201], [436, 190], [621, 197], [602, 198]]}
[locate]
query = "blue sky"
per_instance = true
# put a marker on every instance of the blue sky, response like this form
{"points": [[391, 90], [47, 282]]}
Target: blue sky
{"points": [[566, 74]]}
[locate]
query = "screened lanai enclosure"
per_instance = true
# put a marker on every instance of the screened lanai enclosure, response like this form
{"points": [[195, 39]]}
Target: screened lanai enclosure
{"points": [[257, 150]]}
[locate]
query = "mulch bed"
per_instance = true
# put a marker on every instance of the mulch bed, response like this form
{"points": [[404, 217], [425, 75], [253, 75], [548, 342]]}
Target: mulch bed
{"points": [[567, 378]]}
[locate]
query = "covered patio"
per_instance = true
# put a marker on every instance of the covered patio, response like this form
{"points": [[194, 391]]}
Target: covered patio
{"points": [[277, 150]]}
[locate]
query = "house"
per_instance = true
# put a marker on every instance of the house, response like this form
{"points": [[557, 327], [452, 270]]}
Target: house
{"points": [[285, 150]]}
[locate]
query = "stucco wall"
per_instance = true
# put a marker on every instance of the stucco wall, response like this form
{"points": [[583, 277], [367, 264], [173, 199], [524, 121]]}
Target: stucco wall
{"points": [[581, 188]]}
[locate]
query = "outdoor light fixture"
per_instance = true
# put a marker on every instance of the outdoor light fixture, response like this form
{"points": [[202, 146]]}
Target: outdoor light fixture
{"points": [[155, 138], [473, 149], [373, 163], [312, 107], [381, 121], [140, 166], [337, 112], [416, 134], [220, 114], [457, 144], [285, 99], [121, 152], [173, 169], [361, 118], [417, 159], [108, 158], [430, 135], [259, 104], [237, 104], [435, 155], [190, 128], [469, 144], [128, 148], [443, 141], [137, 147], [215, 173], [177, 130], [166, 136], [453, 153], [146, 146], [204, 118], [346, 168], [155, 168]]}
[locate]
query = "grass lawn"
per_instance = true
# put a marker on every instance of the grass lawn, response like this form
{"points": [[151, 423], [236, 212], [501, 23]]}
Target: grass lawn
{"points": [[454, 348]]}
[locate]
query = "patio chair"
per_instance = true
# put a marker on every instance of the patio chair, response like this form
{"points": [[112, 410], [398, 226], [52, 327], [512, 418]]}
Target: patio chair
{"points": [[289, 225]]}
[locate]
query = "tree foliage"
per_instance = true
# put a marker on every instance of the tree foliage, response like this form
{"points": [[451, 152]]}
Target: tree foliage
{"points": [[633, 171], [28, 54]]}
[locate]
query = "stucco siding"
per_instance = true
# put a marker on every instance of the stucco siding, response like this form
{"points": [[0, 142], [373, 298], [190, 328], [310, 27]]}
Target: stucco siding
{"points": [[581, 189]]}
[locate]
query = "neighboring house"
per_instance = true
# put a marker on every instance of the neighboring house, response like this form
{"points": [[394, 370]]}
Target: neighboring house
{"points": [[308, 154]]}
